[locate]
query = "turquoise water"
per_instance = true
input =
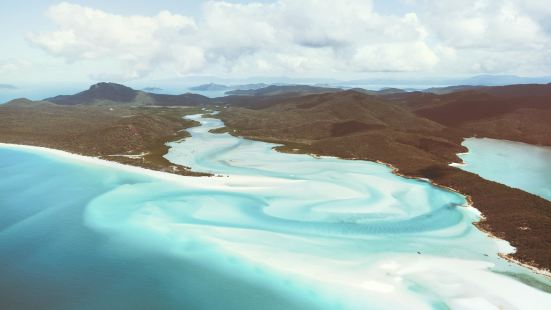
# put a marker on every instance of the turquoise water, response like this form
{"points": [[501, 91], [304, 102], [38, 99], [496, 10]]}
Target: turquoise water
{"points": [[519, 165], [272, 231]]}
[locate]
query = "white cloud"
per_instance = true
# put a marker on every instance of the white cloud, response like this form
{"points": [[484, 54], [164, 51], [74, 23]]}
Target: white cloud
{"points": [[140, 43], [11, 66], [308, 37], [283, 37], [498, 36], [484, 24]]}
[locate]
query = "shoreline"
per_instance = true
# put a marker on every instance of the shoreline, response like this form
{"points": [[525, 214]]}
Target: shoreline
{"points": [[129, 135], [223, 182], [470, 203], [95, 160], [506, 140], [178, 178]]}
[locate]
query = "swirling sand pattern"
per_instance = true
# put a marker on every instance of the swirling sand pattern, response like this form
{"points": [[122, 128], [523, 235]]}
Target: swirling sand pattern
{"points": [[273, 231]]}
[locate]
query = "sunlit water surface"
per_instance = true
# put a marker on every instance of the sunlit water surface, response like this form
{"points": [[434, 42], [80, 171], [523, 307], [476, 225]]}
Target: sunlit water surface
{"points": [[519, 165], [272, 231]]}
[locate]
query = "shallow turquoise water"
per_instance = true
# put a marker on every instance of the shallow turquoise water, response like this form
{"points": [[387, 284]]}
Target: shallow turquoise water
{"points": [[274, 231], [519, 165]]}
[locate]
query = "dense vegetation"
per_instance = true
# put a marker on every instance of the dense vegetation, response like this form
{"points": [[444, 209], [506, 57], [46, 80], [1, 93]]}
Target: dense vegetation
{"points": [[104, 131]]}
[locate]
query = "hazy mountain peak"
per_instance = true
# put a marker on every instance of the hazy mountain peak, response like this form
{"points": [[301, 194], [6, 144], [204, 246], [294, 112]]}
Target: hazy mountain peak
{"points": [[109, 85], [100, 91], [113, 93], [210, 87]]}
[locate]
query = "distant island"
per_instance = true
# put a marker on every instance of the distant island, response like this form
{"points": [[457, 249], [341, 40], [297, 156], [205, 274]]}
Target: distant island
{"points": [[228, 88], [210, 87], [153, 89], [112, 93], [417, 133], [7, 87]]}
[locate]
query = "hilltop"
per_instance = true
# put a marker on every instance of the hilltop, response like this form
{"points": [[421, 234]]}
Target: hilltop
{"points": [[514, 112], [112, 93]]}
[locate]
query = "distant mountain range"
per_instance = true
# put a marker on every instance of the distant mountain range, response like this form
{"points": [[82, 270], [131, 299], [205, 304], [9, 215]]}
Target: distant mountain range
{"points": [[502, 80], [112, 93], [479, 80], [210, 87], [510, 90], [227, 88], [383, 91], [274, 90], [413, 81], [450, 89]]}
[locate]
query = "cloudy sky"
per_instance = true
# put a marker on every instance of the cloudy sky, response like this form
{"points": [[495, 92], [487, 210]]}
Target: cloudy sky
{"points": [[133, 40]]}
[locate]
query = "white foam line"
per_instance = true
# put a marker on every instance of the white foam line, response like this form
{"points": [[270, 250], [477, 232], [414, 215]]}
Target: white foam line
{"points": [[229, 183]]}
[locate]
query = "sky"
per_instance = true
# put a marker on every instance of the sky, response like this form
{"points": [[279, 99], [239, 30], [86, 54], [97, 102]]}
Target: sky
{"points": [[142, 40]]}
